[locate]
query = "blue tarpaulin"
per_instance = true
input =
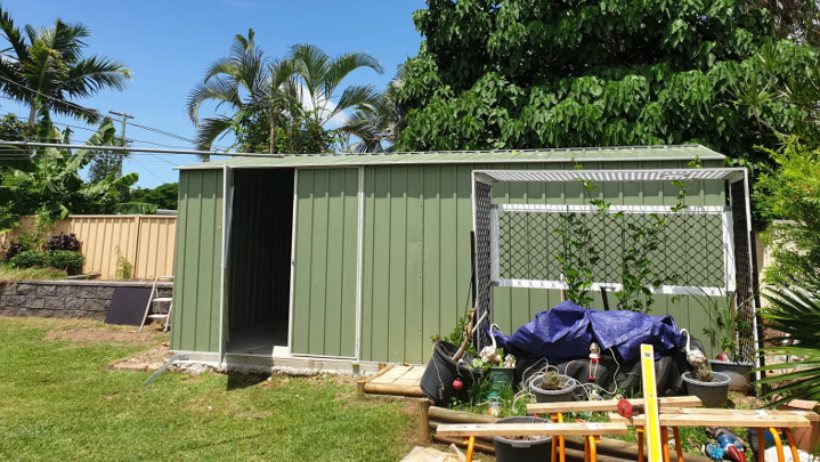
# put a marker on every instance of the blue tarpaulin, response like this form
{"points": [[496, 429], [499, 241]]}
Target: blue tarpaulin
{"points": [[567, 330]]}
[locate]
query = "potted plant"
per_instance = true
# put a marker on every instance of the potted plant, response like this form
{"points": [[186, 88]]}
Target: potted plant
{"points": [[722, 333], [711, 387], [497, 368], [553, 387], [524, 449], [449, 373]]}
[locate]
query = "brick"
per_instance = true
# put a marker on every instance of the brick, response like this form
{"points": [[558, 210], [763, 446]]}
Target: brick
{"points": [[46, 289], [11, 301], [76, 304], [33, 301], [104, 292], [8, 289], [53, 303], [23, 289]]}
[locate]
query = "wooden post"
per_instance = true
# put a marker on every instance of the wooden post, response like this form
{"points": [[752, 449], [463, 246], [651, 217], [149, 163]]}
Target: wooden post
{"points": [[424, 421]]}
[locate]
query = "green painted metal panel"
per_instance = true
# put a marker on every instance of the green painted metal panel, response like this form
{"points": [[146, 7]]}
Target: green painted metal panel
{"points": [[198, 262], [416, 259], [324, 293]]}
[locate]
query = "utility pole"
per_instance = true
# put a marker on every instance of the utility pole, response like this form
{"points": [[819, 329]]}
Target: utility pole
{"points": [[125, 116]]}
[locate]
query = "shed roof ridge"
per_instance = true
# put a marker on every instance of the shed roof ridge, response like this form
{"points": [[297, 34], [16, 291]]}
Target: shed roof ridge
{"points": [[656, 147]]}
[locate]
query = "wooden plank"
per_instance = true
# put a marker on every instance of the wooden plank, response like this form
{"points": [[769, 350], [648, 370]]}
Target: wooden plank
{"points": [[393, 389], [811, 416], [608, 405], [534, 429], [449, 415], [729, 418], [389, 376]]}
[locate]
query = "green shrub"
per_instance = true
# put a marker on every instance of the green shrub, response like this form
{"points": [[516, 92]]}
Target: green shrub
{"points": [[70, 261], [28, 259]]}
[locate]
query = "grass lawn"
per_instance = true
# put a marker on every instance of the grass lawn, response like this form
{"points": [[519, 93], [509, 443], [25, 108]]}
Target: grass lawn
{"points": [[58, 401], [9, 274]]}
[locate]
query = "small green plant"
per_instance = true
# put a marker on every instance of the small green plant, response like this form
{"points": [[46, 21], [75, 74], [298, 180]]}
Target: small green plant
{"points": [[723, 324], [70, 261], [704, 373], [125, 268], [28, 259], [638, 272], [552, 381]]}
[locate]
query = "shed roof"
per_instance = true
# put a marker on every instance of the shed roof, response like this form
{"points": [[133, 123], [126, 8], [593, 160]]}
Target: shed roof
{"points": [[608, 154]]}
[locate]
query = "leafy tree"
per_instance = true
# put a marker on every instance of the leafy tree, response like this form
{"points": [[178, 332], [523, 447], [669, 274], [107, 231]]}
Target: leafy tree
{"points": [[164, 196], [791, 192], [538, 73], [47, 69], [53, 187], [795, 19], [12, 129]]}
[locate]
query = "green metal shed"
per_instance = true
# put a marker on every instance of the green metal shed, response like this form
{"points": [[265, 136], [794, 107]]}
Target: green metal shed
{"points": [[366, 257]]}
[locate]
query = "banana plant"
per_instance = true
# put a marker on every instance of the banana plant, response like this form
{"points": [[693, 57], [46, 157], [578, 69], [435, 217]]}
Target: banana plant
{"points": [[52, 184]]}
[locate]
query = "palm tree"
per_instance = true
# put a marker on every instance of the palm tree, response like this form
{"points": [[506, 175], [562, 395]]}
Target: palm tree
{"points": [[378, 128], [47, 70], [321, 78], [237, 81]]}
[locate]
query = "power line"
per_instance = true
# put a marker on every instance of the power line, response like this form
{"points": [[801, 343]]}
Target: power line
{"points": [[97, 113], [136, 149]]}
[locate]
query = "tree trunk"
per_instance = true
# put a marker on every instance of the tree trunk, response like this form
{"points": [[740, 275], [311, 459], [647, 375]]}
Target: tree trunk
{"points": [[272, 134]]}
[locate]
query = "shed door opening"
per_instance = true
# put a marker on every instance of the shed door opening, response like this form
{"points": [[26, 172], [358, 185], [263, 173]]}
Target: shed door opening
{"points": [[259, 253]]}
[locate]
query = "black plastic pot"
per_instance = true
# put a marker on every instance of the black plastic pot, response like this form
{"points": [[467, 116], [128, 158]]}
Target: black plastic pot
{"points": [[442, 371], [554, 396], [526, 450], [712, 394], [740, 373]]}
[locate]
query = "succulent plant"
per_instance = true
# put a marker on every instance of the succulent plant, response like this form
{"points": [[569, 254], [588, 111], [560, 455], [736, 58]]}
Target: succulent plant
{"points": [[552, 381]]}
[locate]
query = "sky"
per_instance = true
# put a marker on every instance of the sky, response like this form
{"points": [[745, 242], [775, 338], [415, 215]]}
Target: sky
{"points": [[168, 45]]}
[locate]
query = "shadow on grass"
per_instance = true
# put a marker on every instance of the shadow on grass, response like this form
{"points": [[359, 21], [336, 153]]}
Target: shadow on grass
{"points": [[240, 381]]}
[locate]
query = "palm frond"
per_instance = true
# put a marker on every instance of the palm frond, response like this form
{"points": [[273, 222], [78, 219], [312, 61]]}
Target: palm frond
{"points": [[219, 90], [90, 75], [342, 66], [211, 129], [356, 97], [795, 313], [13, 35]]}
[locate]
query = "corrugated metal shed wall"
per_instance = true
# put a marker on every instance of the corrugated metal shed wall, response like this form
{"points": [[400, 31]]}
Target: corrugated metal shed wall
{"points": [[417, 252], [197, 287], [324, 293], [416, 267]]}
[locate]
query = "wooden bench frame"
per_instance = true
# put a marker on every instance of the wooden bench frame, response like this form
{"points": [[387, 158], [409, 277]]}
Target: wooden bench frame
{"points": [[773, 421], [556, 412], [589, 431]]}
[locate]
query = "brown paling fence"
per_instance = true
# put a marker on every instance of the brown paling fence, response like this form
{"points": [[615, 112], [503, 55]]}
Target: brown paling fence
{"points": [[145, 241]]}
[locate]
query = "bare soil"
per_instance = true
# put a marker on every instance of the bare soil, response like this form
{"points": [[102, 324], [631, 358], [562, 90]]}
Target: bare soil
{"points": [[148, 360], [103, 335]]}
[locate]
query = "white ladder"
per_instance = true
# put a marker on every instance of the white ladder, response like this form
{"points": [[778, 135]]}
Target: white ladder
{"points": [[152, 299]]}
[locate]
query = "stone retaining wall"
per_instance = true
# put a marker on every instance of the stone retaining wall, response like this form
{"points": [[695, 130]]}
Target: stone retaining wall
{"points": [[71, 299]]}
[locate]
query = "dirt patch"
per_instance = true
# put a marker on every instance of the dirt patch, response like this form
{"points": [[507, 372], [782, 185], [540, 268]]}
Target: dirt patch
{"points": [[104, 335], [145, 361]]}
